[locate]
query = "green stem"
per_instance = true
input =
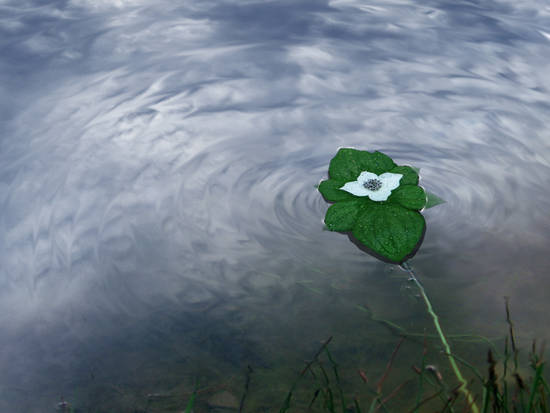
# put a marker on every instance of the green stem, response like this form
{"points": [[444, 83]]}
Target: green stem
{"points": [[458, 374]]}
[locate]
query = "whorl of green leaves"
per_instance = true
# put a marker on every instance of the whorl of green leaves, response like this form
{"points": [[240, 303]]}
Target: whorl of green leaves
{"points": [[393, 228]]}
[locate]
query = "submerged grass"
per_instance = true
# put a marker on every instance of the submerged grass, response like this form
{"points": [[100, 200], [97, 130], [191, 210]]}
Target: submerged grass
{"points": [[508, 385], [503, 389], [507, 392]]}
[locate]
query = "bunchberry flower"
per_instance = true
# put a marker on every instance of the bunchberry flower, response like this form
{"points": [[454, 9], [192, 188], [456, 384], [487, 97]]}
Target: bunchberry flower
{"points": [[377, 188], [377, 202]]}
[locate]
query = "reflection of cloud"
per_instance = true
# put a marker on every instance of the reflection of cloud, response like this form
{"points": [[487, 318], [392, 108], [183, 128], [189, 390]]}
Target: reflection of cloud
{"points": [[155, 87], [105, 5], [150, 150]]}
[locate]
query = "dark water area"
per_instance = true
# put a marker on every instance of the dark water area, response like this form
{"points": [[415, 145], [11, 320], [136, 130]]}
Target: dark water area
{"points": [[159, 221]]}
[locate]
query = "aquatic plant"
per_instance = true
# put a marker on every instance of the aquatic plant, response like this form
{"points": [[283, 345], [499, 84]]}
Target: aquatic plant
{"points": [[378, 204], [505, 391]]}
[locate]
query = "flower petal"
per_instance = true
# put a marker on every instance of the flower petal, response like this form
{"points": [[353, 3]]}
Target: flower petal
{"points": [[380, 195], [390, 180], [365, 176], [330, 189], [356, 188]]}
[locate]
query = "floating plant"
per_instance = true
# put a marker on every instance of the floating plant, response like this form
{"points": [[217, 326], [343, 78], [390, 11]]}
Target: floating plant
{"points": [[378, 204]]}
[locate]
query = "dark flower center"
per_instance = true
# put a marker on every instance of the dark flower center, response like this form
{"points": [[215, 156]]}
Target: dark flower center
{"points": [[373, 184]]}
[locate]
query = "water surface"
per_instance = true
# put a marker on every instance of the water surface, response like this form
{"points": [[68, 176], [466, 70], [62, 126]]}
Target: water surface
{"points": [[159, 220]]}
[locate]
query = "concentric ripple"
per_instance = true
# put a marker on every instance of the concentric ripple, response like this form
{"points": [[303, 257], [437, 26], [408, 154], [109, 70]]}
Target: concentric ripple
{"points": [[158, 164]]}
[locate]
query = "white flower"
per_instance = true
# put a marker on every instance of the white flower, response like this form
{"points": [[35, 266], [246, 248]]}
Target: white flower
{"points": [[377, 188]]}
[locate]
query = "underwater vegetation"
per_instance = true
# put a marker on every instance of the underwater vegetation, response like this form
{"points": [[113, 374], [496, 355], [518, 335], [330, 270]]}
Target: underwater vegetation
{"points": [[378, 204], [505, 388]]}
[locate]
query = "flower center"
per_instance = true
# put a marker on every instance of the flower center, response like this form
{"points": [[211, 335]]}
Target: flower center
{"points": [[373, 184]]}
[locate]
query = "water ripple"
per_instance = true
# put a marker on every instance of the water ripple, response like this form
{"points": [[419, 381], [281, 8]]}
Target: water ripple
{"points": [[159, 161]]}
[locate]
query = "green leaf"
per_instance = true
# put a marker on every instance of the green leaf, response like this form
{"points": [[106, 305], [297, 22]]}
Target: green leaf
{"points": [[390, 230], [433, 200], [331, 191], [342, 215], [409, 196], [348, 163], [410, 176]]}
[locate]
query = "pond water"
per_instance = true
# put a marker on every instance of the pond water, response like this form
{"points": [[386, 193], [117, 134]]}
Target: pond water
{"points": [[159, 220]]}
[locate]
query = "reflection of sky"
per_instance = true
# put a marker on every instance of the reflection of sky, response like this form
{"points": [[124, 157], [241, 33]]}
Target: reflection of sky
{"points": [[144, 139]]}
